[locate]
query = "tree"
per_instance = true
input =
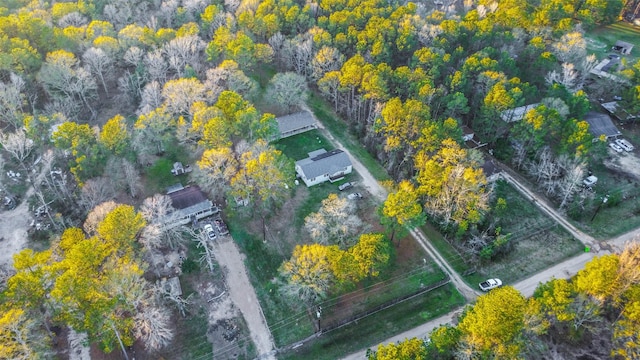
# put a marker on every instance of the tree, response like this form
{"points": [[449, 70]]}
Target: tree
{"points": [[228, 76], [334, 223], [152, 131], [114, 135], [99, 63], [288, 90], [64, 80], [20, 336], [453, 185], [598, 278], [17, 144], [183, 51], [120, 229], [180, 94], [370, 253], [96, 216], [264, 175], [309, 272], [409, 349], [217, 167], [494, 328], [402, 208]]}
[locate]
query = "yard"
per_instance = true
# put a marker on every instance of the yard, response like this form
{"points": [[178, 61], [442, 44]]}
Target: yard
{"points": [[601, 39], [538, 243]]}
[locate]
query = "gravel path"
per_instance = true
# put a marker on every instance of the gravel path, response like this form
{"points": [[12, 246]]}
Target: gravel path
{"points": [[244, 296]]}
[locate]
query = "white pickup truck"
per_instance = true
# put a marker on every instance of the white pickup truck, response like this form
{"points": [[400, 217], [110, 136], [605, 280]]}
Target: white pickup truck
{"points": [[490, 284]]}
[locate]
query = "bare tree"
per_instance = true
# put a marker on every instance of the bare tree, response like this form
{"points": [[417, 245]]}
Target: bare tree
{"points": [[151, 98], [326, 59], [570, 183], [165, 291], [207, 248], [153, 326], [335, 222], [17, 144], [183, 51], [571, 48], [180, 94], [72, 19], [156, 66], [96, 191], [159, 212], [228, 76], [99, 64], [134, 56], [11, 101], [288, 90]]}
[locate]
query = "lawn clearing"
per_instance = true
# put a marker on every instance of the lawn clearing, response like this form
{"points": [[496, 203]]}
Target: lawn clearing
{"points": [[374, 329], [298, 147], [538, 241], [601, 39], [623, 190]]}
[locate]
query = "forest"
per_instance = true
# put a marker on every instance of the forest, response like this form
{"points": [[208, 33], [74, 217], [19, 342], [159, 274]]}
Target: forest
{"points": [[104, 91]]}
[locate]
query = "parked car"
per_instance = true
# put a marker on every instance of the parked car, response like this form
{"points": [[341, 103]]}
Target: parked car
{"points": [[345, 186], [616, 147], [617, 98], [221, 226], [208, 229], [614, 56], [625, 145], [354, 196], [590, 181], [490, 284]]}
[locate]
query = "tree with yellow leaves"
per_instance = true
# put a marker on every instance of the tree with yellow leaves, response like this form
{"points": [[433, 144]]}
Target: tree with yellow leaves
{"points": [[409, 349], [401, 209], [114, 135]]}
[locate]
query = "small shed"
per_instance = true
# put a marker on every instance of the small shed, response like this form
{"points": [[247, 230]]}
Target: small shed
{"points": [[623, 47], [491, 170], [297, 123], [601, 124]]}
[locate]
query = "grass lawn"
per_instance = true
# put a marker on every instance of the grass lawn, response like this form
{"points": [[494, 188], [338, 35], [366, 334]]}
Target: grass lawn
{"points": [[376, 328], [298, 146], [601, 39], [622, 205], [339, 130], [538, 241]]}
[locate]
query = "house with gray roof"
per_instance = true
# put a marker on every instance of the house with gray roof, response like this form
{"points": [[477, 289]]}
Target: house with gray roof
{"points": [[601, 125], [517, 114], [190, 205], [297, 123], [322, 165]]}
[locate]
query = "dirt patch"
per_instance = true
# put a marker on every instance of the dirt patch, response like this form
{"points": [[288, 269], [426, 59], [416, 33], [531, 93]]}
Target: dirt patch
{"points": [[627, 163]]}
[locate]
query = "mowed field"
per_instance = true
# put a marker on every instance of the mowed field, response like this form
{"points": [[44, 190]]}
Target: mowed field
{"points": [[601, 39]]}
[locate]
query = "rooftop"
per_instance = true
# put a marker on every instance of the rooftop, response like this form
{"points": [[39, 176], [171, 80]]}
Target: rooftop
{"points": [[295, 121], [321, 162], [601, 124]]}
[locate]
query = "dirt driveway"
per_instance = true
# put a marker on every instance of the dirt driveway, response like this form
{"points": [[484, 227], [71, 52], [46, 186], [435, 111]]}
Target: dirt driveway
{"points": [[244, 296]]}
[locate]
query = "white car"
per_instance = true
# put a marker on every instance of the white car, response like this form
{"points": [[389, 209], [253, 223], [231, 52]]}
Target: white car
{"points": [[354, 196], [624, 144], [616, 147], [345, 186], [490, 284], [208, 229], [590, 181]]}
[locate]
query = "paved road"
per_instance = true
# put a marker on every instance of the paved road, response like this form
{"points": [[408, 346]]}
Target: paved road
{"points": [[244, 296]]}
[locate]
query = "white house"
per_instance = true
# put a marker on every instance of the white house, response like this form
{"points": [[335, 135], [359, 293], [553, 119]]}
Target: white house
{"points": [[322, 165]]}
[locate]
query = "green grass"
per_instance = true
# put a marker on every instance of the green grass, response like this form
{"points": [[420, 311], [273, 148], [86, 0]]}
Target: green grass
{"points": [[623, 205], [159, 175], [192, 344], [606, 36], [338, 129], [376, 328], [448, 252], [538, 242], [298, 146]]}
